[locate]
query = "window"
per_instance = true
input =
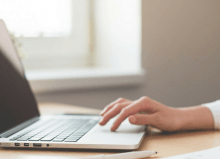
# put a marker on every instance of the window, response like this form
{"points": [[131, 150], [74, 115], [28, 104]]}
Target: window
{"points": [[117, 39], [54, 33], [32, 19], [60, 35]]}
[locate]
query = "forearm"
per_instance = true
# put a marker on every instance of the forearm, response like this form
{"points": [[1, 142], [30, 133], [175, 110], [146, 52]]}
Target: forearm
{"points": [[197, 117]]}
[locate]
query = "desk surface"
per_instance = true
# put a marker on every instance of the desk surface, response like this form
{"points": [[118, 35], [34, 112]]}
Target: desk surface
{"points": [[167, 144]]}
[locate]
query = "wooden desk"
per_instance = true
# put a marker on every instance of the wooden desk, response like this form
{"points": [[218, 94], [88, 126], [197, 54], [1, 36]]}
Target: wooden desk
{"points": [[167, 144]]}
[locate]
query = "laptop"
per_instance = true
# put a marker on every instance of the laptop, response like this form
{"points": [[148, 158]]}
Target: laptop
{"points": [[22, 126]]}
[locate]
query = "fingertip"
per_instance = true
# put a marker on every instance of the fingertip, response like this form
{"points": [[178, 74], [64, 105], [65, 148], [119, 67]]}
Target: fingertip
{"points": [[101, 122], [132, 119], [112, 128]]}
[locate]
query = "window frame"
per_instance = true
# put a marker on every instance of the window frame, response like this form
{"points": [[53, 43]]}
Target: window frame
{"points": [[61, 52]]}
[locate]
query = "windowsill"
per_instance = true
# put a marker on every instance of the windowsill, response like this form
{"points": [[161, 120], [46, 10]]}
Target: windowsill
{"points": [[47, 81]]}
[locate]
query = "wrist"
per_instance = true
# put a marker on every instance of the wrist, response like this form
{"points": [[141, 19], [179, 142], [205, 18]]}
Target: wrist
{"points": [[197, 117]]}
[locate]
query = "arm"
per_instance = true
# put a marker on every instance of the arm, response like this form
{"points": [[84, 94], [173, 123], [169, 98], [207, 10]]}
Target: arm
{"points": [[197, 117], [158, 115]]}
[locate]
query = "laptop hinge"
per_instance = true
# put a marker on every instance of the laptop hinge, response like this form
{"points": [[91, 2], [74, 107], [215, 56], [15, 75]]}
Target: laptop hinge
{"points": [[19, 127]]}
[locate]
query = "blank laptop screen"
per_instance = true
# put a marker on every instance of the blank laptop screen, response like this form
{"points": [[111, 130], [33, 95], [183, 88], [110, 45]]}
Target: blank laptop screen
{"points": [[17, 103]]}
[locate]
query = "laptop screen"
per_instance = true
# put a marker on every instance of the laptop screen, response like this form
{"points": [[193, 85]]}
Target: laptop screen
{"points": [[17, 103]]}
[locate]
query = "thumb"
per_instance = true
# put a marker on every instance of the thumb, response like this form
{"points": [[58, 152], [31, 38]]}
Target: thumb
{"points": [[141, 119]]}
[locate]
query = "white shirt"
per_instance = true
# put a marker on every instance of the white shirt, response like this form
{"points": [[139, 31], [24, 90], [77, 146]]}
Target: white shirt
{"points": [[214, 107]]}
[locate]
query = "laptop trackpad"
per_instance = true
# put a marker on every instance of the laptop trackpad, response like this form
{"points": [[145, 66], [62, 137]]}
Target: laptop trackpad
{"points": [[126, 134]]}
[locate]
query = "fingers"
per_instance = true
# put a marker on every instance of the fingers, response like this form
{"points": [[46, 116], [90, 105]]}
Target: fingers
{"points": [[111, 105], [113, 112], [143, 104], [141, 119]]}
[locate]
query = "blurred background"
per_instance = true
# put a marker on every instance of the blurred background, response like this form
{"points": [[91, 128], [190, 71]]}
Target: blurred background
{"points": [[91, 52]]}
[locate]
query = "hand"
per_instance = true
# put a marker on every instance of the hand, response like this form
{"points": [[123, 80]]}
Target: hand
{"points": [[158, 115]]}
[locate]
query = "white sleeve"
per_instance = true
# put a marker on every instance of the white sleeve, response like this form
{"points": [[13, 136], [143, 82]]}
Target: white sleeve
{"points": [[214, 107]]}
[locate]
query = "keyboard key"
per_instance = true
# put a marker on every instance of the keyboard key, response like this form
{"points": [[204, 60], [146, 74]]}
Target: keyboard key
{"points": [[61, 138], [39, 136], [46, 139], [71, 140], [75, 135], [79, 132], [50, 136], [34, 139], [66, 133], [27, 135], [57, 140], [63, 135], [22, 139]]}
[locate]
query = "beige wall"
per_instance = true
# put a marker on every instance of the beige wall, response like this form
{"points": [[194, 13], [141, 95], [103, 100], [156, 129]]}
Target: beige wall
{"points": [[181, 53], [181, 50]]}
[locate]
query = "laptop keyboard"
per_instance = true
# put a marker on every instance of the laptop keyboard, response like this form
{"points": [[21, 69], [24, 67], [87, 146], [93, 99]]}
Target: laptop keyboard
{"points": [[62, 130]]}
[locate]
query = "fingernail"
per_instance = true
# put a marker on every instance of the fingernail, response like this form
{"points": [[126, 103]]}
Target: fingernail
{"points": [[132, 119]]}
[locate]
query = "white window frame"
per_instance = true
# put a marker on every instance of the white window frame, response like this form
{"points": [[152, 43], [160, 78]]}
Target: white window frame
{"points": [[71, 51]]}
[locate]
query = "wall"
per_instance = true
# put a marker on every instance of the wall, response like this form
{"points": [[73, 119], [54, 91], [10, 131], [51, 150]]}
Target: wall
{"points": [[180, 51]]}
